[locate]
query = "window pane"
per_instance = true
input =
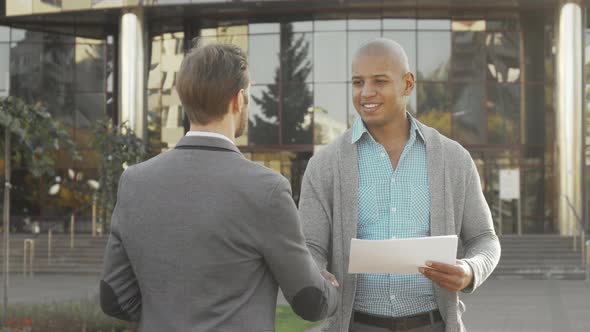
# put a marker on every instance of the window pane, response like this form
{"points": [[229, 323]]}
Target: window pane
{"points": [[327, 66], [469, 25], [264, 58], [399, 24], [303, 26], [434, 54], [330, 119], [469, 120], [17, 35], [356, 40], [296, 117], [4, 34], [407, 39], [330, 25], [296, 56], [90, 108], [468, 56], [4, 66], [58, 81], [434, 106], [25, 72], [364, 24], [264, 28], [434, 24], [90, 67], [263, 124], [503, 56], [503, 122]]}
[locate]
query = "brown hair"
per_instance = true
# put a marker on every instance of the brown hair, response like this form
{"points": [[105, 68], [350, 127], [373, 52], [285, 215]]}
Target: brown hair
{"points": [[209, 77]]}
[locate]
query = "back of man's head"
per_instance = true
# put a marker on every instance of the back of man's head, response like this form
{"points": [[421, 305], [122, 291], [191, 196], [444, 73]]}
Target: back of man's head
{"points": [[209, 77]]}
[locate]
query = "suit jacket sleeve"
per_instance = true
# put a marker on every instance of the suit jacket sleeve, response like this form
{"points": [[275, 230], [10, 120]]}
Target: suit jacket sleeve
{"points": [[482, 247], [285, 252], [120, 296]]}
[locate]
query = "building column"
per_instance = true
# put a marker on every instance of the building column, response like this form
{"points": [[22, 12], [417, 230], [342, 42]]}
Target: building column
{"points": [[132, 70], [569, 116]]}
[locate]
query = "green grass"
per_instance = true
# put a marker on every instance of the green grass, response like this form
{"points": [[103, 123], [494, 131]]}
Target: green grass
{"points": [[85, 315], [287, 321]]}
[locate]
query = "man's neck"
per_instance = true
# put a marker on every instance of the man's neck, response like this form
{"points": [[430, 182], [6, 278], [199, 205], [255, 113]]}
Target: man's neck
{"points": [[219, 127], [393, 134]]}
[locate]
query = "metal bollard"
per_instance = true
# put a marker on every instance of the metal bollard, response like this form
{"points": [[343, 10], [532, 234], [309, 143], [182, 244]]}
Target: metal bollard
{"points": [[49, 244], [30, 245], [94, 218], [72, 222]]}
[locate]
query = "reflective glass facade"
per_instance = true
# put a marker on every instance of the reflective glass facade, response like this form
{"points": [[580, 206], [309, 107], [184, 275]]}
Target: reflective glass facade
{"points": [[72, 77], [485, 79]]}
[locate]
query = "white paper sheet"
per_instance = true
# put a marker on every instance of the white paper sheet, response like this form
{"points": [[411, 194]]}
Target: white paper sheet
{"points": [[400, 255]]}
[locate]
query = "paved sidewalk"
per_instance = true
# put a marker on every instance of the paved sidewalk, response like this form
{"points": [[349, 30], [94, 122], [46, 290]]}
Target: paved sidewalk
{"points": [[49, 288]]}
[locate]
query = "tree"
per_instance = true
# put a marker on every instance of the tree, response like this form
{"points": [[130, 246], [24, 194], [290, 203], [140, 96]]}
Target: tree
{"points": [[40, 140], [289, 91], [118, 148]]}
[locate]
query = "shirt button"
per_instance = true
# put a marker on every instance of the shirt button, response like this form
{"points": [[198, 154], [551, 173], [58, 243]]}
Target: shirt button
{"points": [[392, 297], [382, 154], [393, 209]]}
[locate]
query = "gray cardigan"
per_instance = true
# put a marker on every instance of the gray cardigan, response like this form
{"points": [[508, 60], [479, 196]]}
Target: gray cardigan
{"points": [[329, 213]]}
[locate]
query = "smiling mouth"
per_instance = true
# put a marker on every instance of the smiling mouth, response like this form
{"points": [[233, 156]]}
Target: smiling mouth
{"points": [[370, 107]]}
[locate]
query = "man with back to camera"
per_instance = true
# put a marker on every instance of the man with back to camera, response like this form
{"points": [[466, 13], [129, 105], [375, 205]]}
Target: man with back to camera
{"points": [[201, 236], [391, 176]]}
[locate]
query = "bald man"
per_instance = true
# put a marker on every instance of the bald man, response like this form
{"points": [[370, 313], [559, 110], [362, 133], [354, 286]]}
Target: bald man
{"points": [[391, 176]]}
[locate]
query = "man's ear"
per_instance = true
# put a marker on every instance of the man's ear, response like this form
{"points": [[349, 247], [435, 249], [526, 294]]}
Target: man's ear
{"points": [[237, 102], [409, 83]]}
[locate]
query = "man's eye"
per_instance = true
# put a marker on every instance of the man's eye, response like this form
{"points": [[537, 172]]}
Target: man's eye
{"points": [[357, 83]]}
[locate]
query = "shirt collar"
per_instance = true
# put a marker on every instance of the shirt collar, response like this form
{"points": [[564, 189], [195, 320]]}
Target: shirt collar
{"points": [[359, 128], [208, 134]]}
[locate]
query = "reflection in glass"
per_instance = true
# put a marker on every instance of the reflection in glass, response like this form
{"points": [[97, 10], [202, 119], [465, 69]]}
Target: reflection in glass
{"points": [[4, 34], [330, 25], [407, 39], [303, 26], [434, 56], [58, 80], [263, 58], [329, 111], [503, 120], [364, 24], [264, 28], [328, 66], [295, 119], [263, 123], [399, 24], [90, 67], [356, 40], [503, 56], [469, 25], [18, 35], [434, 106], [429, 24], [90, 108], [469, 120], [4, 67], [468, 56], [297, 96]]}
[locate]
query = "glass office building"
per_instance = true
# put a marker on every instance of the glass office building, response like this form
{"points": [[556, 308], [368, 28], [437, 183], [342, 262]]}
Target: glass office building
{"points": [[507, 80]]}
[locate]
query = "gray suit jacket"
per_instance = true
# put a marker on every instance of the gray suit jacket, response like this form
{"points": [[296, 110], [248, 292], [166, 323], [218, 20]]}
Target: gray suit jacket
{"points": [[201, 238], [329, 212]]}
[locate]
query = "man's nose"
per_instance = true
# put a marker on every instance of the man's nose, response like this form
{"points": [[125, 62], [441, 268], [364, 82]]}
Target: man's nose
{"points": [[368, 91]]}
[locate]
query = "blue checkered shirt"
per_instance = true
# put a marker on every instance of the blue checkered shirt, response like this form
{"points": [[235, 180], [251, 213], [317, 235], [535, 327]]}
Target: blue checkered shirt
{"points": [[392, 204]]}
